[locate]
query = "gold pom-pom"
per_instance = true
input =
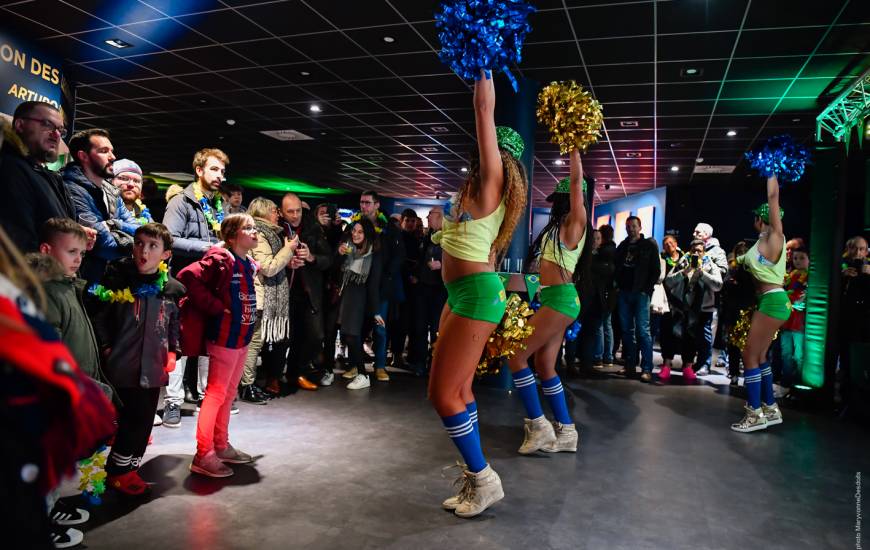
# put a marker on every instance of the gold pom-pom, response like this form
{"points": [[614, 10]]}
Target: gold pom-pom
{"points": [[571, 115], [508, 337], [739, 333]]}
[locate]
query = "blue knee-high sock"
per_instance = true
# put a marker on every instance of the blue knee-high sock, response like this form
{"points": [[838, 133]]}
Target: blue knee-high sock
{"points": [[767, 384], [472, 414], [752, 381], [555, 394], [461, 430], [524, 381]]}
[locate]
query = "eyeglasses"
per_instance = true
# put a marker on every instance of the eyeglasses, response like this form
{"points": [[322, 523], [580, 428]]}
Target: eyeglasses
{"points": [[366, 202], [48, 125], [130, 181]]}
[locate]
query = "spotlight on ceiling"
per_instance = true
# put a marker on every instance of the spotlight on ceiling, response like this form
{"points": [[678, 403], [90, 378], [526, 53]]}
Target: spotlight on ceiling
{"points": [[389, 39], [731, 133], [699, 160], [118, 43], [691, 72], [304, 73], [559, 162], [231, 122], [314, 108], [463, 169], [675, 168]]}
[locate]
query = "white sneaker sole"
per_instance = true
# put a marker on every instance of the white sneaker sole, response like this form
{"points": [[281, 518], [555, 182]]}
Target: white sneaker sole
{"points": [[759, 427], [478, 512], [168, 425], [202, 471], [774, 422]]}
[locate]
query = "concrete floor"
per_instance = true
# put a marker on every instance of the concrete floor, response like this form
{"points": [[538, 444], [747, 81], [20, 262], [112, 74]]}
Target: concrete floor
{"points": [[657, 468]]}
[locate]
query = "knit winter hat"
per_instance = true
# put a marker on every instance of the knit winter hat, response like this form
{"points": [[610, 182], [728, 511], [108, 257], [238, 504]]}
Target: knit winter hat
{"points": [[126, 165]]}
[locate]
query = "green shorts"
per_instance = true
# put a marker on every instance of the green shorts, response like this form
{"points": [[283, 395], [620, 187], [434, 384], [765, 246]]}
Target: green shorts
{"points": [[562, 298], [479, 296], [775, 304]]}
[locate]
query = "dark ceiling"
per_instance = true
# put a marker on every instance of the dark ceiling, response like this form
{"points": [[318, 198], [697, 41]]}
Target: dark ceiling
{"points": [[394, 118]]}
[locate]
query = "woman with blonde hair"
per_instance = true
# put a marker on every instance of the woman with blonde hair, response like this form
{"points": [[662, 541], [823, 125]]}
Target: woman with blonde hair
{"points": [[477, 229], [272, 328]]}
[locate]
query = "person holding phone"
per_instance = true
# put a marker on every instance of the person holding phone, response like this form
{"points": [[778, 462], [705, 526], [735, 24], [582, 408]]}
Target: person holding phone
{"points": [[855, 314], [692, 287]]}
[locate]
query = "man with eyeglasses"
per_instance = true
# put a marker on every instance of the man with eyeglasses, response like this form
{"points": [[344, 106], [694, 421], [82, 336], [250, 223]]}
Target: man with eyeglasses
{"points": [[97, 203], [35, 193], [127, 180]]}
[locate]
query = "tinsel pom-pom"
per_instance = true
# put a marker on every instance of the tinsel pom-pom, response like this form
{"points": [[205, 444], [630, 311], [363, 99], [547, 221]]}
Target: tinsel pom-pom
{"points": [[482, 34], [508, 337], [780, 156], [571, 115], [739, 332], [572, 331], [92, 483]]}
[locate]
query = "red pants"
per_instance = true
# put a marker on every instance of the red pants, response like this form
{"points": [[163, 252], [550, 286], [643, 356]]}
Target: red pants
{"points": [[224, 372]]}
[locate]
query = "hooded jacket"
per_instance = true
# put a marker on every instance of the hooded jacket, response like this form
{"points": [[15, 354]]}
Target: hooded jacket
{"points": [[141, 334], [101, 208], [208, 295], [33, 193], [65, 311]]}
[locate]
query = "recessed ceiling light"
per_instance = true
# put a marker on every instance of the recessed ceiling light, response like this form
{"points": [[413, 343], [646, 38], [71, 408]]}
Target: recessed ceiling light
{"points": [[795, 120], [731, 133], [430, 149], [559, 162], [699, 160], [633, 155], [118, 43], [463, 169], [676, 144], [203, 101], [675, 168], [389, 39], [231, 122], [304, 73], [691, 72], [314, 108], [629, 123], [322, 133], [439, 129]]}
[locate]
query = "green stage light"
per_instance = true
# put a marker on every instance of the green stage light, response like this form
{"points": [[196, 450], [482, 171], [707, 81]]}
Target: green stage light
{"points": [[287, 185]]}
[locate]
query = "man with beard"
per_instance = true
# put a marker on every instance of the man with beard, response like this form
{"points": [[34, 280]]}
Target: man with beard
{"points": [[193, 217], [38, 193], [127, 178], [97, 203]]}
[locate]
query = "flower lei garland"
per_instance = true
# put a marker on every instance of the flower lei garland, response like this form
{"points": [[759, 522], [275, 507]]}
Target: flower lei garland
{"points": [[93, 476], [144, 213], [126, 295], [382, 220], [214, 220]]}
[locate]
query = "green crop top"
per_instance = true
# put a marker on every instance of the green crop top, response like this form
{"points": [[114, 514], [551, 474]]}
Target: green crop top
{"points": [[763, 269], [469, 239], [568, 257]]}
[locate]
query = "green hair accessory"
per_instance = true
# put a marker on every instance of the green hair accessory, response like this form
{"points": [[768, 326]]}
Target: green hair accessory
{"points": [[564, 185], [509, 140], [763, 212]]}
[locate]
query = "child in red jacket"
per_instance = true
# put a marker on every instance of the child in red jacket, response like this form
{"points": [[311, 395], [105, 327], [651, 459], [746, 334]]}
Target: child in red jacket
{"points": [[220, 311]]}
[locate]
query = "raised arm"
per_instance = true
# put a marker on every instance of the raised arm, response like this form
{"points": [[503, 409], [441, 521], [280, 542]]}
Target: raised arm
{"points": [[491, 169], [578, 201], [776, 237]]}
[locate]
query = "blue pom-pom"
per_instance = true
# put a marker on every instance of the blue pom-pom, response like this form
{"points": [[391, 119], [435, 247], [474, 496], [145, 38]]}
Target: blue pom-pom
{"points": [[572, 331], [535, 305], [780, 156], [482, 34]]}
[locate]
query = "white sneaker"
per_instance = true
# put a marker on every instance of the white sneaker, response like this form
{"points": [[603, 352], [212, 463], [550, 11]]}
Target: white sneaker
{"points": [[157, 420], [779, 392], [772, 414], [327, 379], [361, 381], [479, 492], [566, 439], [451, 503], [539, 432], [752, 421]]}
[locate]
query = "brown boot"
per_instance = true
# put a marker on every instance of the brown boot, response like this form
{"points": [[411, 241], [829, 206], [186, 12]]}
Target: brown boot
{"points": [[305, 384]]}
